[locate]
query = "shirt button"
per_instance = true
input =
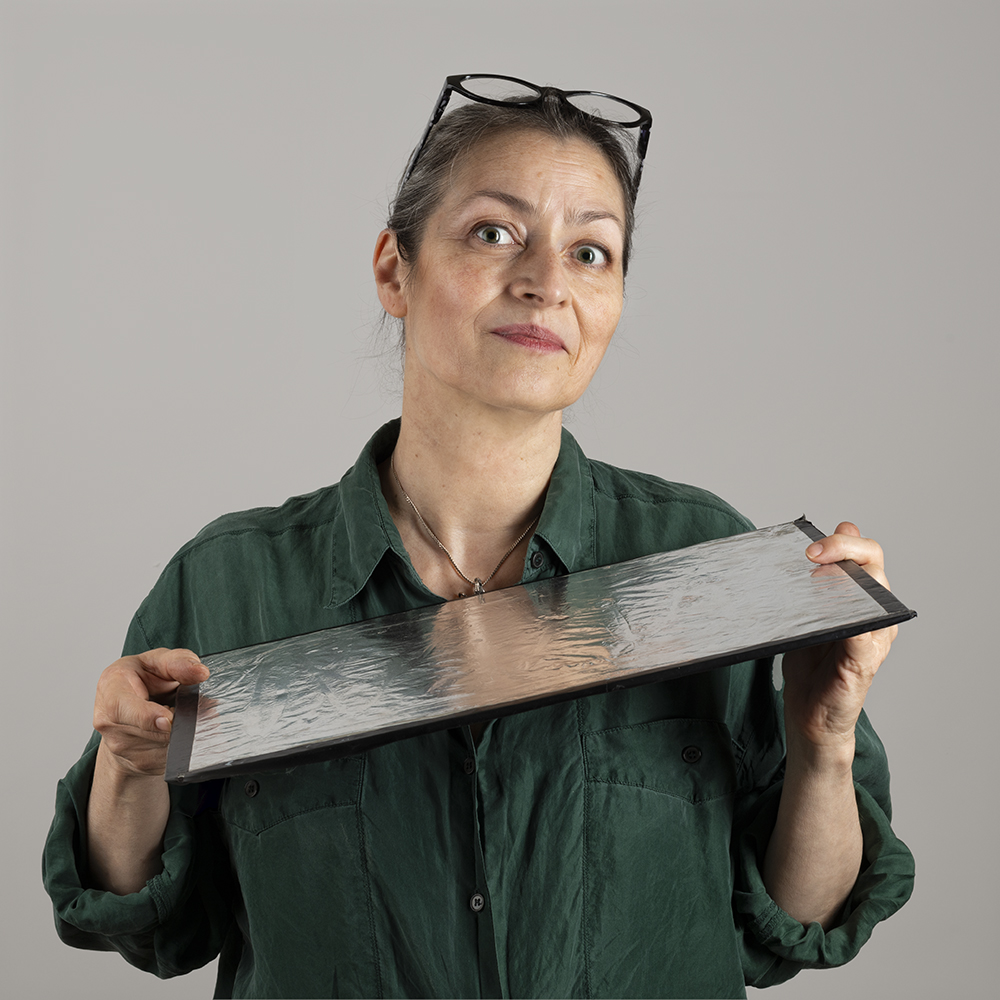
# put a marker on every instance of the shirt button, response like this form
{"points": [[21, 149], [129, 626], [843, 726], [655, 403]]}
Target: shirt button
{"points": [[537, 560], [477, 902], [691, 755], [469, 765], [251, 788]]}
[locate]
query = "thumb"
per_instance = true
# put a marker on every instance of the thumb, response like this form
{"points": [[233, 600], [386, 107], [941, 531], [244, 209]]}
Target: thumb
{"points": [[138, 713], [175, 666]]}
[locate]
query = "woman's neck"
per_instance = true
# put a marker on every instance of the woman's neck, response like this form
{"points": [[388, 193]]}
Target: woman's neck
{"points": [[478, 480]]}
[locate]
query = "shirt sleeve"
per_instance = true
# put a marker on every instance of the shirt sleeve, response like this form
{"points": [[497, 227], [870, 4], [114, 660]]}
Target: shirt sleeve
{"points": [[176, 922], [181, 918], [775, 946]]}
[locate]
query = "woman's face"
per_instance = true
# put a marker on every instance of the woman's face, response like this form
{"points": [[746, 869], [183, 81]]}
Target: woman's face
{"points": [[517, 287]]}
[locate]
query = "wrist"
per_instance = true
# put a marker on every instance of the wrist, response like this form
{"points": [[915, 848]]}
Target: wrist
{"points": [[831, 758], [119, 776]]}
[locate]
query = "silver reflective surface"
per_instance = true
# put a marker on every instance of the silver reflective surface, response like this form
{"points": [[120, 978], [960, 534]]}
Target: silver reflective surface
{"points": [[513, 647]]}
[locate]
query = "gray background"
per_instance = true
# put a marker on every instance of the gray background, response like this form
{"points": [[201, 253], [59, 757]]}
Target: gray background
{"points": [[190, 196]]}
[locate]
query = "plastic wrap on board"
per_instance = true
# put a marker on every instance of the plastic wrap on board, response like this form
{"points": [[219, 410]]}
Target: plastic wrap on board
{"points": [[340, 690]]}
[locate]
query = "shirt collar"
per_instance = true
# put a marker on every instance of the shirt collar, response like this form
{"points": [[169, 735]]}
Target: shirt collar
{"points": [[567, 521], [364, 530]]}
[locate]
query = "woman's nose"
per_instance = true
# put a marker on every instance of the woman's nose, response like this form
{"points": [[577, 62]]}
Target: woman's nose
{"points": [[540, 277]]}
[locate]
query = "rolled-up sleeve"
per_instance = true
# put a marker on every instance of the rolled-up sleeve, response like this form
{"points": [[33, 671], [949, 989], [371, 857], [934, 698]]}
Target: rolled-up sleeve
{"points": [[775, 945], [176, 922]]}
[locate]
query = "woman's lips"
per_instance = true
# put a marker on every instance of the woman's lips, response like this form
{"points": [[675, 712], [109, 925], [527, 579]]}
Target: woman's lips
{"points": [[538, 338]]}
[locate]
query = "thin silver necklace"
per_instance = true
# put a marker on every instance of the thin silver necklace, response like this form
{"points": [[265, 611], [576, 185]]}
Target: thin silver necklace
{"points": [[478, 586]]}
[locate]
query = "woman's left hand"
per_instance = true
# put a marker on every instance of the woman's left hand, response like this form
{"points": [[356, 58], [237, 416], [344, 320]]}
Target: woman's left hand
{"points": [[825, 685]]}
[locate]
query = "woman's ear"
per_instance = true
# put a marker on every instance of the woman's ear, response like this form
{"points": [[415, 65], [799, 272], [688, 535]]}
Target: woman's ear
{"points": [[389, 268]]}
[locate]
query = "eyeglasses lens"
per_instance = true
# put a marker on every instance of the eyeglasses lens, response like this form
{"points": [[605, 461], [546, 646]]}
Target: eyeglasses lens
{"points": [[495, 89], [608, 108]]}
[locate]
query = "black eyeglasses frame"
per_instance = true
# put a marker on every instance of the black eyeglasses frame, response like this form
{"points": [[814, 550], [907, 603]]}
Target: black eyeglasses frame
{"points": [[455, 84]]}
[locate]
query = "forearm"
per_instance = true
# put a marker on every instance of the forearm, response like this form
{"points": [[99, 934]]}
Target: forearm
{"points": [[815, 850], [126, 817]]}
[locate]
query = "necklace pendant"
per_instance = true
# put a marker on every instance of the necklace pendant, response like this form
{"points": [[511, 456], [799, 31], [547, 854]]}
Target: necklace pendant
{"points": [[477, 587]]}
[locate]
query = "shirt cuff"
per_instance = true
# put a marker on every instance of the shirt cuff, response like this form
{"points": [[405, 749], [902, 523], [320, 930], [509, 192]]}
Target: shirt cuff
{"points": [[92, 918], [781, 945]]}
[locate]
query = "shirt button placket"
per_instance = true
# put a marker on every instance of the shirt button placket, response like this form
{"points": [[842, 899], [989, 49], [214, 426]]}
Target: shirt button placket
{"points": [[480, 911]]}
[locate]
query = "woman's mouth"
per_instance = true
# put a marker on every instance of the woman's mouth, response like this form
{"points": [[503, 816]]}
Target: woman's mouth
{"points": [[537, 338]]}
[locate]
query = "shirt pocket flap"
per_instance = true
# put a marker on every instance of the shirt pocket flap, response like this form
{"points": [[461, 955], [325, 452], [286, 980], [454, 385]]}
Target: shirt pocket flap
{"points": [[258, 802], [691, 759]]}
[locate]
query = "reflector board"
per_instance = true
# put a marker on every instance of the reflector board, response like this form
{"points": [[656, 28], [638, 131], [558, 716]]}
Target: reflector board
{"points": [[341, 690]]}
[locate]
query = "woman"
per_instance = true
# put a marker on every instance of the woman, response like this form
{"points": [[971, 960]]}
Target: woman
{"points": [[654, 841]]}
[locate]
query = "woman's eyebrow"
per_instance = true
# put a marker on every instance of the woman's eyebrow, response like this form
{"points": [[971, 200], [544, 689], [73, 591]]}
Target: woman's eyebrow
{"points": [[594, 215], [512, 200], [579, 218]]}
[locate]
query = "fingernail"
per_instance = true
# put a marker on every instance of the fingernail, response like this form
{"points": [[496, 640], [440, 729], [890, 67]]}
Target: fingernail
{"points": [[815, 549], [163, 724]]}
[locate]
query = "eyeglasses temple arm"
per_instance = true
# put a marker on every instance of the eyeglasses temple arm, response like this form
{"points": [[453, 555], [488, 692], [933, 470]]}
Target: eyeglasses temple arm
{"points": [[442, 102]]}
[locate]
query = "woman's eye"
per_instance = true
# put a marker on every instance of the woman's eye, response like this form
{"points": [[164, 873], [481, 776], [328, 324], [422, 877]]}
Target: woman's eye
{"points": [[591, 255], [494, 235]]}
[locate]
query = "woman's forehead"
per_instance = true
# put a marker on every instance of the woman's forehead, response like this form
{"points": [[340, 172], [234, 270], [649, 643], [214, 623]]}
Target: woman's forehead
{"points": [[534, 168]]}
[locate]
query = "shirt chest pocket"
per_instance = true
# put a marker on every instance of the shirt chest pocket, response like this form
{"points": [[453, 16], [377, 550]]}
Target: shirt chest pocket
{"points": [[659, 815], [296, 847], [257, 803], [659, 802]]}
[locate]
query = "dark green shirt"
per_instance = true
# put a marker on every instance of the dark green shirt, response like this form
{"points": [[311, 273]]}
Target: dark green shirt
{"points": [[582, 849]]}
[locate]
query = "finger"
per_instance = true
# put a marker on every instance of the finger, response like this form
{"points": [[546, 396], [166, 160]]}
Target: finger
{"points": [[138, 744], [127, 690], [846, 545], [145, 716], [123, 702], [836, 548], [179, 666]]}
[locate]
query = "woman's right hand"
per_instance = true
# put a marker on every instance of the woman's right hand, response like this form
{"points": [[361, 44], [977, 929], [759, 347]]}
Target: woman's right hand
{"points": [[129, 802], [129, 712]]}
